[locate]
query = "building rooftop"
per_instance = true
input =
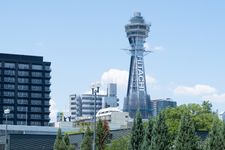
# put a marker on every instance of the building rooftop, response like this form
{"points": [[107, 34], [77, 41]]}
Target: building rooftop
{"points": [[107, 111]]}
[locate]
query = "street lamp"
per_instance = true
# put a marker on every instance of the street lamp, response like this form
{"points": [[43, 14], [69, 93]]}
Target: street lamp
{"points": [[6, 112], [95, 90]]}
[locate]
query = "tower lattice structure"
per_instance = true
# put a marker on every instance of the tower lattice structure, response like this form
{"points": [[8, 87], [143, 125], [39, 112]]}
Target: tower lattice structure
{"points": [[137, 98]]}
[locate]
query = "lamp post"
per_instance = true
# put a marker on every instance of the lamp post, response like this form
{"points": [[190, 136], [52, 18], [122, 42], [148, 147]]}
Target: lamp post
{"points": [[95, 90], [6, 112]]}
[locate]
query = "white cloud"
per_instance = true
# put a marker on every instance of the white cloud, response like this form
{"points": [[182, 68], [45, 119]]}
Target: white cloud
{"points": [[121, 77], [53, 111], [197, 90], [158, 48], [115, 76], [149, 47], [218, 98]]}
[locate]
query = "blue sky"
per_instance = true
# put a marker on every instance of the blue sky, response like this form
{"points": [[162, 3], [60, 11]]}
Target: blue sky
{"points": [[84, 42]]}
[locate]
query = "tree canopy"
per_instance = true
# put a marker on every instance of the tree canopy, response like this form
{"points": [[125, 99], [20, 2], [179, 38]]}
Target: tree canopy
{"points": [[137, 133], [201, 115], [87, 140]]}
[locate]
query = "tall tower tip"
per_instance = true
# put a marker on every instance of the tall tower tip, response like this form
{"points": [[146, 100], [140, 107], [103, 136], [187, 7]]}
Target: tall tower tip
{"points": [[137, 14]]}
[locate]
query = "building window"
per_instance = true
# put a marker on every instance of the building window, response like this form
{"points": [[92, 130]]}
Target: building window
{"points": [[8, 122], [23, 87], [36, 109], [47, 96], [8, 107], [22, 94], [23, 66], [22, 101], [35, 102], [36, 88], [9, 72], [46, 109], [10, 65], [35, 123], [45, 123], [37, 67], [9, 86], [23, 73], [23, 80], [9, 79], [46, 103], [8, 101], [47, 82], [21, 116], [35, 116], [22, 108], [36, 74], [47, 75], [8, 93], [46, 116], [9, 115], [47, 68], [47, 88], [36, 95], [21, 123], [36, 81]]}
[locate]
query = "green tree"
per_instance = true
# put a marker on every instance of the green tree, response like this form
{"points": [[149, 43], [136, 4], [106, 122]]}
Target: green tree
{"points": [[121, 143], [66, 140], [87, 140], [223, 131], [102, 134], [186, 138], [160, 137], [137, 133], [148, 135], [202, 119], [62, 146], [215, 139], [207, 106], [58, 139], [62, 142]]}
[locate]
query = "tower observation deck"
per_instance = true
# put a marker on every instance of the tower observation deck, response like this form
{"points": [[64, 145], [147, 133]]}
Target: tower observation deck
{"points": [[137, 98]]}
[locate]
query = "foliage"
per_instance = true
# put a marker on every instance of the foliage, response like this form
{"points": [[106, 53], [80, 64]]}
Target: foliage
{"points": [[121, 143], [102, 134], [84, 125], [71, 147], [87, 140], [62, 143], [137, 133], [186, 138], [215, 140], [207, 106], [66, 139], [148, 135], [200, 114], [58, 139], [160, 137]]}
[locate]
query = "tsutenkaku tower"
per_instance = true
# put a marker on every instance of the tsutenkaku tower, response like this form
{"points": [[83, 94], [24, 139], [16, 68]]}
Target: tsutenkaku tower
{"points": [[137, 98]]}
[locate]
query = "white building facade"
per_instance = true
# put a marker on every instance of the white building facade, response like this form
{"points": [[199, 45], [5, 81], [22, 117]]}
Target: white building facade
{"points": [[115, 117]]}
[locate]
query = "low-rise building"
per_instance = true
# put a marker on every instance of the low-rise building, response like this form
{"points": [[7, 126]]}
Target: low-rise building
{"points": [[115, 117]]}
